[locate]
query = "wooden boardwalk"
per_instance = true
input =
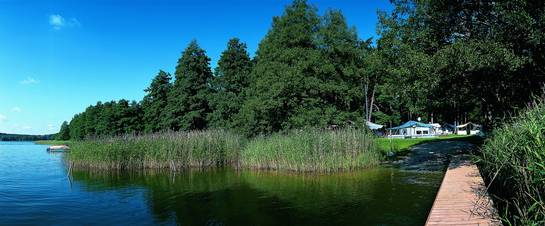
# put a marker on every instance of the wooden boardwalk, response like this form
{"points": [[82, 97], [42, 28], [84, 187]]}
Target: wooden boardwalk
{"points": [[462, 198]]}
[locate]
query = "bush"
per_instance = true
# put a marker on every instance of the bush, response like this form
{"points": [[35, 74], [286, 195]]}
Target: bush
{"points": [[513, 161]]}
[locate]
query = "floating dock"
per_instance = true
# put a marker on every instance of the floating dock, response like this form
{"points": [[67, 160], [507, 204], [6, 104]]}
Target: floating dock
{"points": [[462, 198], [58, 148]]}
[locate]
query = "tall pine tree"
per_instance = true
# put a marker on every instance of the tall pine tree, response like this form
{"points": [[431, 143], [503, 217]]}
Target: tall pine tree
{"points": [[231, 79], [342, 70], [155, 103], [283, 91], [64, 133], [188, 102]]}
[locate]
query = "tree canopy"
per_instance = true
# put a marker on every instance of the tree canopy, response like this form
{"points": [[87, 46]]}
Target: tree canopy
{"points": [[188, 100], [443, 61], [64, 133], [232, 77], [155, 102]]}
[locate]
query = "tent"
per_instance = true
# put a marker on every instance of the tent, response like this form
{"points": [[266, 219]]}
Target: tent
{"points": [[469, 129], [373, 126], [437, 128], [412, 129], [448, 128]]}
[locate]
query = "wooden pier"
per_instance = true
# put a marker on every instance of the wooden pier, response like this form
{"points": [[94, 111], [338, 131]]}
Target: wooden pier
{"points": [[462, 198]]}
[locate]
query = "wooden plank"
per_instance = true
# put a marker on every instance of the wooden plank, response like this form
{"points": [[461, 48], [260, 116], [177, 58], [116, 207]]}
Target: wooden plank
{"points": [[462, 198]]}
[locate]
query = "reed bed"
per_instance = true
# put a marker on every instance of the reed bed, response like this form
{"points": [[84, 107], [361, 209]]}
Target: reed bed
{"points": [[513, 163], [312, 150], [300, 151], [169, 150]]}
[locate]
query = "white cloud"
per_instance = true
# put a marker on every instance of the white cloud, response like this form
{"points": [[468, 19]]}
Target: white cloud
{"points": [[3, 118], [26, 127], [16, 109], [57, 22], [29, 81]]}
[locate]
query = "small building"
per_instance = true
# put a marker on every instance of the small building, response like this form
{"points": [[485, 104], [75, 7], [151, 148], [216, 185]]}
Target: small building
{"points": [[469, 129], [412, 129]]}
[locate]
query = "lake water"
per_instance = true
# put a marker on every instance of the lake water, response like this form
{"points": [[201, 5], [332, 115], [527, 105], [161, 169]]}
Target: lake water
{"points": [[35, 189]]}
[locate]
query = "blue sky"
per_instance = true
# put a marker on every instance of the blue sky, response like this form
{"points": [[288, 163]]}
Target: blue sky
{"points": [[58, 57]]}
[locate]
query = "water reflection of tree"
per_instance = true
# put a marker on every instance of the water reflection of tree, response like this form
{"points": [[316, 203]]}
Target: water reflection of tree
{"points": [[228, 197]]}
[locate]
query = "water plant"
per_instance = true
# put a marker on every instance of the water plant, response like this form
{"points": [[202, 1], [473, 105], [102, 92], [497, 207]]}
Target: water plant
{"points": [[312, 150], [172, 150], [302, 150], [513, 162]]}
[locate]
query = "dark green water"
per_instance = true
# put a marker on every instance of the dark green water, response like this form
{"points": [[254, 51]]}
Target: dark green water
{"points": [[34, 189]]}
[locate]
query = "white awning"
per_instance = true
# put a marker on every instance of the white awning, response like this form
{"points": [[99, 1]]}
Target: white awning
{"points": [[469, 123], [373, 126]]}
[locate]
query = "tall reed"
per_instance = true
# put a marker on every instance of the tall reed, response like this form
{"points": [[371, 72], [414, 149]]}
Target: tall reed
{"points": [[513, 162], [306, 150], [172, 150], [312, 150]]}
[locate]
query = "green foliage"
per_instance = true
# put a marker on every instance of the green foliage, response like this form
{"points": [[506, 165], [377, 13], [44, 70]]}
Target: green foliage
{"points": [[23, 137], [188, 101], [513, 163], [308, 72], [108, 119], [64, 133], [458, 60], [283, 81], [230, 82], [450, 61], [155, 102], [312, 150]]}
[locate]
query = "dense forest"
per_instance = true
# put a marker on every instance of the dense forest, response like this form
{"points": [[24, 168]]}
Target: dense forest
{"points": [[443, 61], [22, 137]]}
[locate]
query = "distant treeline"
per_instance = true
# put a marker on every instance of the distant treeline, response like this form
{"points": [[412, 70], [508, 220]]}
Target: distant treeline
{"points": [[443, 60], [20, 137]]}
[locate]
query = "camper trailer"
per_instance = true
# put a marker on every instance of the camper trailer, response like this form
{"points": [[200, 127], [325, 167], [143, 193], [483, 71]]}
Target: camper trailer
{"points": [[412, 129]]}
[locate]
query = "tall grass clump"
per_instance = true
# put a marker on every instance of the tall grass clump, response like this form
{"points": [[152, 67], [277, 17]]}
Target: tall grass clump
{"points": [[513, 163], [312, 150], [170, 150]]}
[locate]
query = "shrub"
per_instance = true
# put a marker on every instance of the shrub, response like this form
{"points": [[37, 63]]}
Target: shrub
{"points": [[513, 161]]}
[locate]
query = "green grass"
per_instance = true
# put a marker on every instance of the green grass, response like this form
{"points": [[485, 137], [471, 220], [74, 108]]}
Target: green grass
{"points": [[53, 142], [402, 146], [312, 150], [171, 150], [513, 164]]}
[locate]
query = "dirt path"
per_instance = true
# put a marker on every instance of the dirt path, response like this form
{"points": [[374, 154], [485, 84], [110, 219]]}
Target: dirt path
{"points": [[433, 156]]}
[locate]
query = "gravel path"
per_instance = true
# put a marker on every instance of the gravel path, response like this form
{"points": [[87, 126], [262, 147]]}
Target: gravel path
{"points": [[432, 156]]}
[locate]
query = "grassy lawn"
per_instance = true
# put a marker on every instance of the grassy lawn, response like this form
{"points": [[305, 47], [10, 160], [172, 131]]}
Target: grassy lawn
{"points": [[53, 142], [400, 146]]}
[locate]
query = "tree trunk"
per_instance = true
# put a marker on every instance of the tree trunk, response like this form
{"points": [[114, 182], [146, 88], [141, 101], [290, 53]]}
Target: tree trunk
{"points": [[370, 113], [366, 104]]}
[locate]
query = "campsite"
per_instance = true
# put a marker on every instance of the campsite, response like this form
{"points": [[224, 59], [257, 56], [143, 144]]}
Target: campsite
{"points": [[272, 112]]}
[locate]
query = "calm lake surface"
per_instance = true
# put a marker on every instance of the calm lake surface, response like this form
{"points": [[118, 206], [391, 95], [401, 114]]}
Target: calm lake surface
{"points": [[35, 189]]}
